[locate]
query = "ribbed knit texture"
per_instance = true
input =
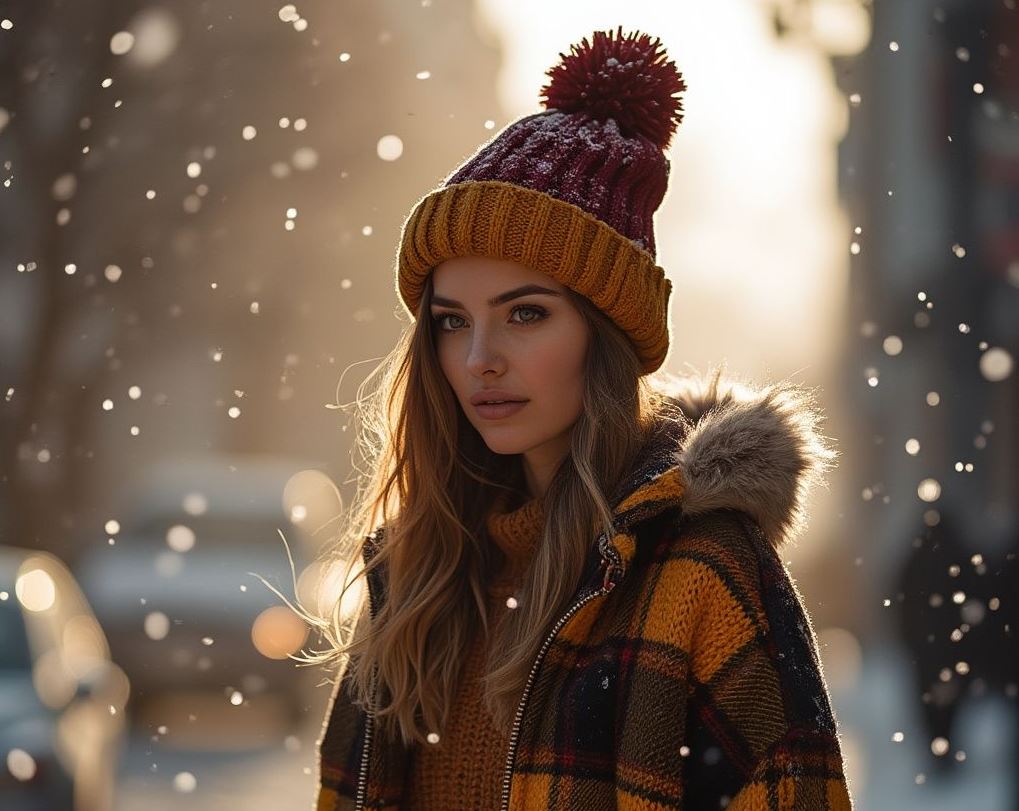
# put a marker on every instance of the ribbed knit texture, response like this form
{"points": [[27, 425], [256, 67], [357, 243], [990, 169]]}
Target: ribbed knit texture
{"points": [[506, 221], [464, 770]]}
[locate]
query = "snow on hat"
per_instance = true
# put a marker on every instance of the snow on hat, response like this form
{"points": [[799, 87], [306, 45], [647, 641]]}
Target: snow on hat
{"points": [[570, 191]]}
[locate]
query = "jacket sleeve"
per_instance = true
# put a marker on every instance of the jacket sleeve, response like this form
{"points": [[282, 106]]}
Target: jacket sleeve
{"points": [[761, 731]]}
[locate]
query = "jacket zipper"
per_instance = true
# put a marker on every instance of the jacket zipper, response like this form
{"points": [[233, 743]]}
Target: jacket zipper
{"points": [[362, 778], [611, 563], [608, 583], [369, 724]]}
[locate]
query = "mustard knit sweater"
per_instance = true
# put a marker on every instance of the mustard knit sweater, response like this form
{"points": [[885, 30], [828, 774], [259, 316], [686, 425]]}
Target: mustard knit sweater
{"points": [[464, 770]]}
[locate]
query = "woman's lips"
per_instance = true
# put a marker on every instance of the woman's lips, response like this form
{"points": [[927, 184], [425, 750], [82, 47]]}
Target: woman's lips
{"points": [[498, 411]]}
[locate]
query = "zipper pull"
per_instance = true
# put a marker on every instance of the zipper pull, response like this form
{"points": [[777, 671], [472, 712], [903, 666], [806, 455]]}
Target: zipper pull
{"points": [[610, 567], [607, 582]]}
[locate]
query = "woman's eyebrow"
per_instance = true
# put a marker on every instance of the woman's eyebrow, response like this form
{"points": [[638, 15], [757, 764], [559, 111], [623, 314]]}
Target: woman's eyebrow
{"points": [[502, 298]]}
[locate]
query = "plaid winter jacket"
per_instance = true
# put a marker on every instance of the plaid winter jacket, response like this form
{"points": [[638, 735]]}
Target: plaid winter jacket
{"points": [[685, 674]]}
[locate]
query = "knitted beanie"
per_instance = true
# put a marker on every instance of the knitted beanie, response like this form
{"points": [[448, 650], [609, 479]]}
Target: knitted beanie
{"points": [[569, 191]]}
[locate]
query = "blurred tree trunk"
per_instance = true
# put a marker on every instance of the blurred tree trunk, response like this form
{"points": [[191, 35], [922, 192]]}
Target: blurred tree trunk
{"points": [[48, 66]]}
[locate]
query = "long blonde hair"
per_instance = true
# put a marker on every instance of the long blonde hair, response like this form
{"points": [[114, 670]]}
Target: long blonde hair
{"points": [[430, 481]]}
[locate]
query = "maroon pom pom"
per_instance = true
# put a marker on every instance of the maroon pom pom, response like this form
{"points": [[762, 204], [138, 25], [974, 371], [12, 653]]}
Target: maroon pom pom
{"points": [[623, 78]]}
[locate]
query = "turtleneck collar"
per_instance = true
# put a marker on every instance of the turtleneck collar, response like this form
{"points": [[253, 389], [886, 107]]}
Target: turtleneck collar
{"points": [[516, 530]]}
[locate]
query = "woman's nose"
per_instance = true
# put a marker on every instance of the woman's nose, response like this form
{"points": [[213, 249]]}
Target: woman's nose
{"points": [[484, 354]]}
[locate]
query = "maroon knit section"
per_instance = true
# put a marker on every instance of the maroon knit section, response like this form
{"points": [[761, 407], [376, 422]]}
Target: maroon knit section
{"points": [[580, 160]]}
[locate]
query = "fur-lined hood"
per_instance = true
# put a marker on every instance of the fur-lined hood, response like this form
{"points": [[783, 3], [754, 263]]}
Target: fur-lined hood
{"points": [[726, 444]]}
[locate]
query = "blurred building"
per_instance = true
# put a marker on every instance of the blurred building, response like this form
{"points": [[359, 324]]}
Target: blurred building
{"points": [[929, 171]]}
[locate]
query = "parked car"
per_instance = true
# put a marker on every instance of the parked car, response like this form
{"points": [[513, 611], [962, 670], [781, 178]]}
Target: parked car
{"points": [[61, 697], [187, 618]]}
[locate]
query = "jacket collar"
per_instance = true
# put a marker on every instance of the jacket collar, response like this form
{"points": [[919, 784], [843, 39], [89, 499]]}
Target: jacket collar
{"points": [[725, 444]]}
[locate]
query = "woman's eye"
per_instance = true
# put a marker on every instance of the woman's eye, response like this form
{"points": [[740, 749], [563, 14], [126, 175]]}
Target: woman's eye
{"points": [[438, 319], [539, 313]]}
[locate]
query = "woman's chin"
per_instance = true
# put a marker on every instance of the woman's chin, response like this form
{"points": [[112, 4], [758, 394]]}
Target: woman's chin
{"points": [[504, 446]]}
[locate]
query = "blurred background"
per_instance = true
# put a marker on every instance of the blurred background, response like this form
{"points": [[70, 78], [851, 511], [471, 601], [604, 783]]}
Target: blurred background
{"points": [[199, 213]]}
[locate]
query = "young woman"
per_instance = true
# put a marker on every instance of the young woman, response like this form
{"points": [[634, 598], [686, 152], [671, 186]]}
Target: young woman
{"points": [[574, 599]]}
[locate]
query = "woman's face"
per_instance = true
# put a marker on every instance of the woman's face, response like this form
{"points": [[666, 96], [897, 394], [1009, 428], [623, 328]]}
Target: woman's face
{"points": [[492, 334]]}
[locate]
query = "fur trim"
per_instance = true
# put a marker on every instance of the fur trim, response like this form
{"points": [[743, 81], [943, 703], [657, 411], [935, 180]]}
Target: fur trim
{"points": [[752, 449]]}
